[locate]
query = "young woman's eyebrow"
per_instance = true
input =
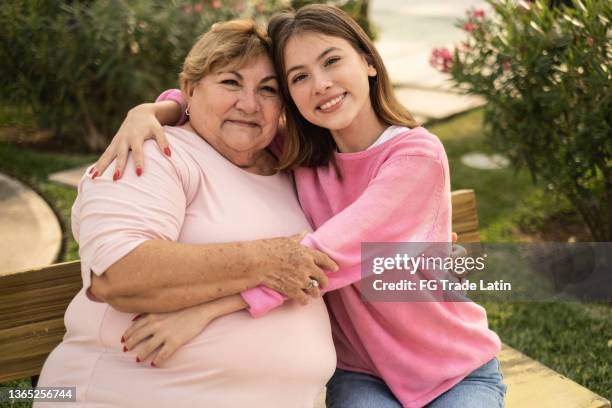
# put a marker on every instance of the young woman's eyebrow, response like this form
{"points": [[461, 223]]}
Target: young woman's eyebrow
{"points": [[321, 56]]}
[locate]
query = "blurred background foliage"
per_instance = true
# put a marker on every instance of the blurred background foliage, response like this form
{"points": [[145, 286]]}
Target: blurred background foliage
{"points": [[76, 67]]}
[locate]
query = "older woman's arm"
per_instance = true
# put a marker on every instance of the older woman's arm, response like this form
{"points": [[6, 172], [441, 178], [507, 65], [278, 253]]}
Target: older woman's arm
{"points": [[163, 276], [127, 233]]}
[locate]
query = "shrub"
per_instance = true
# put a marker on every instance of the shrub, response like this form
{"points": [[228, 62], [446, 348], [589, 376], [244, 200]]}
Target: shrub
{"points": [[545, 73], [80, 65]]}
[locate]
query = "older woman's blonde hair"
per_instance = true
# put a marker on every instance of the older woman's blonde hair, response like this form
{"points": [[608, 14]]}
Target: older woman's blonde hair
{"points": [[230, 45]]}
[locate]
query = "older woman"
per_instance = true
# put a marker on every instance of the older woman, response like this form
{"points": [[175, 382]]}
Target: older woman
{"points": [[147, 244]]}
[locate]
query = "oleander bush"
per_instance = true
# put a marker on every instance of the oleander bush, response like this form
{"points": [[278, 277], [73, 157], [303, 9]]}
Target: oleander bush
{"points": [[545, 71], [78, 66]]}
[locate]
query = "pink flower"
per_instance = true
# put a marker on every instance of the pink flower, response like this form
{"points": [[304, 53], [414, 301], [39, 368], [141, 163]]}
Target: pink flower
{"points": [[506, 65], [590, 41], [469, 26], [260, 7], [198, 8], [441, 59], [216, 4], [474, 13]]}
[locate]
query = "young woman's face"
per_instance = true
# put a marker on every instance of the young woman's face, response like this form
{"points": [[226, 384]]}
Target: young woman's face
{"points": [[327, 79], [237, 111]]}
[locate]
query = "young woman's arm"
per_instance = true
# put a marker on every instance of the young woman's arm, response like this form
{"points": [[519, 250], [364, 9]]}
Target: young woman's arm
{"points": [[395, 207], [143, 122], [157, 336]]}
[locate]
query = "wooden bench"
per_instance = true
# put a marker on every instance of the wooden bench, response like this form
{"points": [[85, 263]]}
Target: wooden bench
{"points": [[33, 302]]}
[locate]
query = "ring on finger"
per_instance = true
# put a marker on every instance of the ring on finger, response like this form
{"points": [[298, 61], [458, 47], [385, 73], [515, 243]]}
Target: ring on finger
{"points": [[312, 284]]}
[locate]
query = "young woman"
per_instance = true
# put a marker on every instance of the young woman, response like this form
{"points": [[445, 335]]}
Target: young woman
{"points": [[365, 172]]}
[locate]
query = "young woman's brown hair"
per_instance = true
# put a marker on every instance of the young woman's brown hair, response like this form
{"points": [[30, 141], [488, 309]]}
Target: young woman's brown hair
{"points": [[307, 144]]}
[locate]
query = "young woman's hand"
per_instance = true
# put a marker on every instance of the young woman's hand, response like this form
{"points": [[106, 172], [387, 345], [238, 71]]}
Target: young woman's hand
{"points": [[140, 124], [288, 267], [157, 336], [457, 251]]}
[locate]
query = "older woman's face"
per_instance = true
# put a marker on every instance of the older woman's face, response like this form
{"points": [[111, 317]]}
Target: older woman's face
{"points": [[237, 111]]}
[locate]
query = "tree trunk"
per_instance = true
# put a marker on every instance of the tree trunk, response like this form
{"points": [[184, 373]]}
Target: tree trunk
{"points": [[93, 139]]}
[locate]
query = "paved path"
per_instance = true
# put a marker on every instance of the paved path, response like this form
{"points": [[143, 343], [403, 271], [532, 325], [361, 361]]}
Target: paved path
{"points": [[408, 31], [30, 233]]}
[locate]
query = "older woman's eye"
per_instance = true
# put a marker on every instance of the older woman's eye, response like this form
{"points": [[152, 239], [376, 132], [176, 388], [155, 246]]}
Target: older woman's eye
{"points": [[331, 61], [297, 78], [269, 89], [229, 82]]}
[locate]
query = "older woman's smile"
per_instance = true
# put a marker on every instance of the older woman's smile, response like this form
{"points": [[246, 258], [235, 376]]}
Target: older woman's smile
{"points": [[244, 123]]}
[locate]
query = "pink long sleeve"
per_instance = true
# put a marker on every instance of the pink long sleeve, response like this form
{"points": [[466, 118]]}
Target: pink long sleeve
{"points": [[177, 96], [393, 207]]}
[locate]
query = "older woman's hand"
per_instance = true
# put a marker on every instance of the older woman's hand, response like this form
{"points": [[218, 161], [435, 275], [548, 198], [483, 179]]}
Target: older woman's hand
{"points": [[288, 267]]}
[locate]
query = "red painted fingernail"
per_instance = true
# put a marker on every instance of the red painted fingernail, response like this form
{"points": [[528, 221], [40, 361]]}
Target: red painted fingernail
{"points": [[137, 360], [122, 339], [125, 349], [152, 364], [95, 175], [136, 318], [92, 170], [138, 171], [116, 175], [167, 151]]}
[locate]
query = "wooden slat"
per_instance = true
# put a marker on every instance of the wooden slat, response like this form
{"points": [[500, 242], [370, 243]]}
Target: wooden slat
{"points": [[533, 385], [465, 216], [32, 307]]}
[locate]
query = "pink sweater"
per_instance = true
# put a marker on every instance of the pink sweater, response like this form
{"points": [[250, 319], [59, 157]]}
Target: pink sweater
{"points": [[398, 191]]}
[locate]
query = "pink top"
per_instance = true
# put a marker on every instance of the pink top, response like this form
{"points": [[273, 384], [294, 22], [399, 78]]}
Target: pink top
{"points": [[195, 197], [398, 191]]}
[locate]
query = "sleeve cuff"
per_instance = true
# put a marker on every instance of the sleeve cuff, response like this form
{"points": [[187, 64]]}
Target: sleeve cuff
{"points": [[176, 96], [261, 300]]}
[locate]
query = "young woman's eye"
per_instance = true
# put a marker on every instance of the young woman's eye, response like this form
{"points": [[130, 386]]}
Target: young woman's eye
{"points": [[297, 78], [332, 60], [232, 82]]}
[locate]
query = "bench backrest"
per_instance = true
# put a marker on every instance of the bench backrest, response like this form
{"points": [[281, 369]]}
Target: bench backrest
{"points": [[33, 302]]}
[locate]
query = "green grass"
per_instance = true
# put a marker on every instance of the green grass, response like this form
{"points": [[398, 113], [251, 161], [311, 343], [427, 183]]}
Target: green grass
{"points": [[573, 339]]}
